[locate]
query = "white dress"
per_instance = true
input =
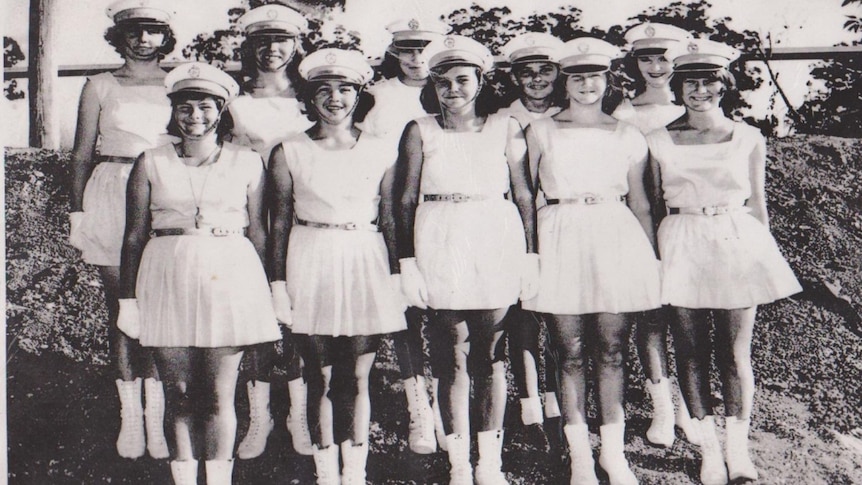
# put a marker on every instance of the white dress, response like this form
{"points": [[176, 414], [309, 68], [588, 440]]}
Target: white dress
{"points": [[648, 117], [203, 291], [339, 280], [468, 252], [131, 119], [395, 105], [524, 116], [262, 123], [594, 258], [723, 261]]}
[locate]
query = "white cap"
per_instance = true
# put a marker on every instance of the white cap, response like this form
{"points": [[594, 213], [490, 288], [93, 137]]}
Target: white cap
{"points": [[415, 33], [587, 54], [272, 19], [652, 39], [533, 47], [458, 50], [201, 78], [336, 64], [701, 55], [143, 11]]}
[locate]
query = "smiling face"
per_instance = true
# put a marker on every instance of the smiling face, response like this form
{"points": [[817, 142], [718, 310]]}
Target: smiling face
{"points": [[196, 118], [537, 79], [335, 101], [656, 70], [413, 64], [702, 93], [142, 42], [587, 88], [457, 87], [273, 52]]}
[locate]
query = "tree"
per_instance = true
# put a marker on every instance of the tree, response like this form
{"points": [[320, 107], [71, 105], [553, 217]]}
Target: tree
{"points": [[12, 55]]}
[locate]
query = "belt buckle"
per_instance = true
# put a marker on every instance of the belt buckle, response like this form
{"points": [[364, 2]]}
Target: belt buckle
{"points": [[350, 226], [591, 200], [220, 232], [460, 198], [710, 211]]}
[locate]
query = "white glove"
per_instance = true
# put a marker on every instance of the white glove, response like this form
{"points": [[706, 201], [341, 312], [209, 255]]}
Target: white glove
{"points": [[281, 302], [75, 221], [529, 276], [395, 280], [413, 284], [129, 318]]}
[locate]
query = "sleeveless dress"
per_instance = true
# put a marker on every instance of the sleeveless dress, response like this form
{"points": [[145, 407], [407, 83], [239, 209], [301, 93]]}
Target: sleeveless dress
{"points": [[395, 105], [725, 261], [262, 123], [339, 280], [131, 119], [594, 258], [468, 252], [524, 116], [648, 117], [203, 291]]}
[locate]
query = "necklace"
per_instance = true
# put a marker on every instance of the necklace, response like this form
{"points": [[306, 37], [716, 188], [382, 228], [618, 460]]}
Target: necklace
{"points": [[195, 196]]}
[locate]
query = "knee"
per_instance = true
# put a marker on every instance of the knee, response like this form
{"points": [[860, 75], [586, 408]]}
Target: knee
{"points": [[571, 357], [612, 354]]}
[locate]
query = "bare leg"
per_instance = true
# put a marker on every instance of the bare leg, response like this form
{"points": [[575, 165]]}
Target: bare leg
{"points": [[451, 350], [733, 334], [175, 365], [316, 350], [487, 366], [567, 334], [220, 373], [610, 359], [691, 341], [651, 339]]}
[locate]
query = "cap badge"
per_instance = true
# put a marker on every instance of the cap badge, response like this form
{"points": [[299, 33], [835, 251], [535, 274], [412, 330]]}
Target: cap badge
{"points": [[584, 48], [413, 24], [692, 47], [331, 58], [194, 72], [272, 14], [449, 42], [650, 31]]}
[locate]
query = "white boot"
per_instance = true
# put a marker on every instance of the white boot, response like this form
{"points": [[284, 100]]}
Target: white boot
{"points": [[438, 415], [661, 430], [326, 465], [489, 469], [354, 459], [581, 455], [297, 419], [184, 472], [552, 406], [684, 421], [612, 458], [154, 418], [739, 464], [131, 442], [712, 468], [219, 472], [458, 448], [531, 410], [421, 437], [260, 421]]}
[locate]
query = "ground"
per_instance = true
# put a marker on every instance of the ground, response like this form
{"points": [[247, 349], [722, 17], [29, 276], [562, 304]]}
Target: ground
{"points": [[63, 411]]}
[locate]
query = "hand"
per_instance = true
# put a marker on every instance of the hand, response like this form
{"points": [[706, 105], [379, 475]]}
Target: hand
{"points": [[413, 284], [395, 280], [129, 318], [75, 220], [281, 303], [529, 276]]}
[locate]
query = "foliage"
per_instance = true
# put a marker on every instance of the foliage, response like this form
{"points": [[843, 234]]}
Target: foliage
{"points": [[12, 55]]}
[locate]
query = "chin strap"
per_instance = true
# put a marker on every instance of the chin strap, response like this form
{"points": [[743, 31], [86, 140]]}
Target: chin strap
{"points": [[209, 130]]}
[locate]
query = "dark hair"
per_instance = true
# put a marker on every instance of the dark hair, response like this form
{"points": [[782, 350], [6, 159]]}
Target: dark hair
{"points": [[249, 69], [225, 125], [633, 72], [558, 95], [390, 67], [610, 100], [730, 98], [116, 36], [364, 101], [486, 101]]}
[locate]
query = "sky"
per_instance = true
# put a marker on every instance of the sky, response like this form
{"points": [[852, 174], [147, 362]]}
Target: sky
{"points": [[81, 24]]}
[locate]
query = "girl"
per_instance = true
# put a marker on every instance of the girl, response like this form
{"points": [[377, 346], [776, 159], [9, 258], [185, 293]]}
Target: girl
{"points": [[719, 260], [651, 108], [474, 249], [123, 113], [330, 263], [266, 113], [596, 246], [191, 266]]}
